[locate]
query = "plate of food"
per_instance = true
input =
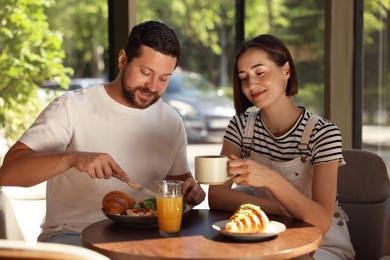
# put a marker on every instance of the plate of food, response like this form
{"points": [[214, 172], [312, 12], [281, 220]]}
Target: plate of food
{"points": [[274, 229], [249, 223], [122, 208]]}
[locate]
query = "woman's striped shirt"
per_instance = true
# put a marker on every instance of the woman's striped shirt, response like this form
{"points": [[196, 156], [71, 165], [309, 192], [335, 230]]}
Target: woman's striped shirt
{"points": [[325, 144]]}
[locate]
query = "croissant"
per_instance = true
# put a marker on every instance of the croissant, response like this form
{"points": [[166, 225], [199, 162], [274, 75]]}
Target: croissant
{"points": [[117, 202], [248, 218]]}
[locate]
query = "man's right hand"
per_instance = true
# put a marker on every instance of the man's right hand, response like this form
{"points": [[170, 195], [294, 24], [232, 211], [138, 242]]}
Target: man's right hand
{"points": [[97, 165]]}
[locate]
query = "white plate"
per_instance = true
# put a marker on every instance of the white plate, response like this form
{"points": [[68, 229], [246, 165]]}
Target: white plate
{"points": [[273, 229], [138, 220]]}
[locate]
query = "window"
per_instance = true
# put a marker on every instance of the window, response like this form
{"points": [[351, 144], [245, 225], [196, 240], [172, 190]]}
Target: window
{"points": [[299, 24], [376, 79], [207, 34]]}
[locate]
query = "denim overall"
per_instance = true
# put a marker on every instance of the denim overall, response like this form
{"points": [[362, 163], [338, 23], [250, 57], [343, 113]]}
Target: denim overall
{"points": [[299, 172]]}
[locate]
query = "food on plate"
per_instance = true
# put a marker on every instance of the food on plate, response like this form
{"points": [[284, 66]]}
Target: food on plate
{"points": [[143, 208], [117, 202], [121, 203], [248, 218], [141, 212]]}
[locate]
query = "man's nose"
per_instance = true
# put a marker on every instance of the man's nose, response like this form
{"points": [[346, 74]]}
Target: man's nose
{"points": [[152, 83]]}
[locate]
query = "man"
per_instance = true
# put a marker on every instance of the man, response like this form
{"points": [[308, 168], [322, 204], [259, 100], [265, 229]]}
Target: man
{"points": [[121, 127]]}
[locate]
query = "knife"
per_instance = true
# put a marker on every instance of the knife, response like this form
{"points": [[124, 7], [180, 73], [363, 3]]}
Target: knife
{"points": [[135, 185]]}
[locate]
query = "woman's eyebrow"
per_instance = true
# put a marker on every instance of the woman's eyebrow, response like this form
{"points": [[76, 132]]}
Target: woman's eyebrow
{"points": [[254, 66]]}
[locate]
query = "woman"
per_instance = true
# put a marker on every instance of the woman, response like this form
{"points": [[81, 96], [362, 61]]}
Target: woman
{"points": [[283, 154]]}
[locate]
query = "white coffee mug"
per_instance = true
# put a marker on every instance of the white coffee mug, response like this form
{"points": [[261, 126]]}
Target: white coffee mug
{"points": [[211, 169]]}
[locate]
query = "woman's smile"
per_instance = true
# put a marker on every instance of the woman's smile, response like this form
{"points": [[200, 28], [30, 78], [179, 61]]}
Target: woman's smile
{"points": [[258, 93]]}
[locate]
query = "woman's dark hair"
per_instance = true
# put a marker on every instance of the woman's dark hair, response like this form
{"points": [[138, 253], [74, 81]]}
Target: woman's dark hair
{"points": [[155, 35], [278, 53]]}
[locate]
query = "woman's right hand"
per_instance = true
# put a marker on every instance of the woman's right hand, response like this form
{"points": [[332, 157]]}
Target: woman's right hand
{"points": [[248, 172]]}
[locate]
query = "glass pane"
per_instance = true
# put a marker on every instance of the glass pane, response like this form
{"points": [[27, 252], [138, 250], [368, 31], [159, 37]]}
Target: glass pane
{"points": [[301, 25], [376, 87], [43, 44], [200, 88], [207, 34], [84, 26]]}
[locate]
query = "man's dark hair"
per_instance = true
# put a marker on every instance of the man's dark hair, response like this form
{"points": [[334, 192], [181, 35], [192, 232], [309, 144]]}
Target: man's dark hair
{"points": [[155, 35]]}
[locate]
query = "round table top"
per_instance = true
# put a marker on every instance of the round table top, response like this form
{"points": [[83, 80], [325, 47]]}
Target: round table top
{"points": [[198, 240]]}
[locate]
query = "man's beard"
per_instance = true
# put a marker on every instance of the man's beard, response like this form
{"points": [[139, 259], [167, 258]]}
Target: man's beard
{"points": [[130, 96]]}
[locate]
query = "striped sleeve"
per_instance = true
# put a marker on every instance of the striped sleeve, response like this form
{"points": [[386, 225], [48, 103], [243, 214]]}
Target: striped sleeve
{"points": [[326, 143]]}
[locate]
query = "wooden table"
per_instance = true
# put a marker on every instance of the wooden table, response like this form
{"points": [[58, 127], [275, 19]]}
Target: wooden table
{"points": [[198, 240]]}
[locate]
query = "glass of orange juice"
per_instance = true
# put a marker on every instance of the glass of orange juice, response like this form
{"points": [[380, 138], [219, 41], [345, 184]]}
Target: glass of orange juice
{"points": [[169, 202]]}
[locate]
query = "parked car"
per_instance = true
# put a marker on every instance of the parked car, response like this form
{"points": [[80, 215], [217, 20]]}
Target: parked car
{"points": [[205, 110]]}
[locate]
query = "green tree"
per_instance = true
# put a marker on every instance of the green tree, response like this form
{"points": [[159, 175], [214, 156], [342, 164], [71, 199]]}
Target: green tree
{"points": [[205, 29], [84, 26], [263, 17], [30, 53], [304, 34]]}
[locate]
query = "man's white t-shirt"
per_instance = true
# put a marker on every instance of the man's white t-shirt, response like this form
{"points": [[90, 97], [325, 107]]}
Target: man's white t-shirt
{"points": [[148, 144]]}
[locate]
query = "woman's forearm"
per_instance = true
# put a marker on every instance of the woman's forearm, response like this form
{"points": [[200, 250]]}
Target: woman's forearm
{"points": [[225, 198]]}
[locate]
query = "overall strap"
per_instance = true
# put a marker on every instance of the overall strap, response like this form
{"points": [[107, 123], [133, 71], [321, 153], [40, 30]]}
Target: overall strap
{"points": [[303, 146], [247, 139]]}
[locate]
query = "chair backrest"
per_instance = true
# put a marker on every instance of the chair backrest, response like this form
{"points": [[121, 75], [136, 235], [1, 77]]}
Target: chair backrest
{"points": [[364, 194]]}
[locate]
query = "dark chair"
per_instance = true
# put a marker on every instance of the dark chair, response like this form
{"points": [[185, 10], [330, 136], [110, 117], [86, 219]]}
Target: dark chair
{"points": [[364, 194]]}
